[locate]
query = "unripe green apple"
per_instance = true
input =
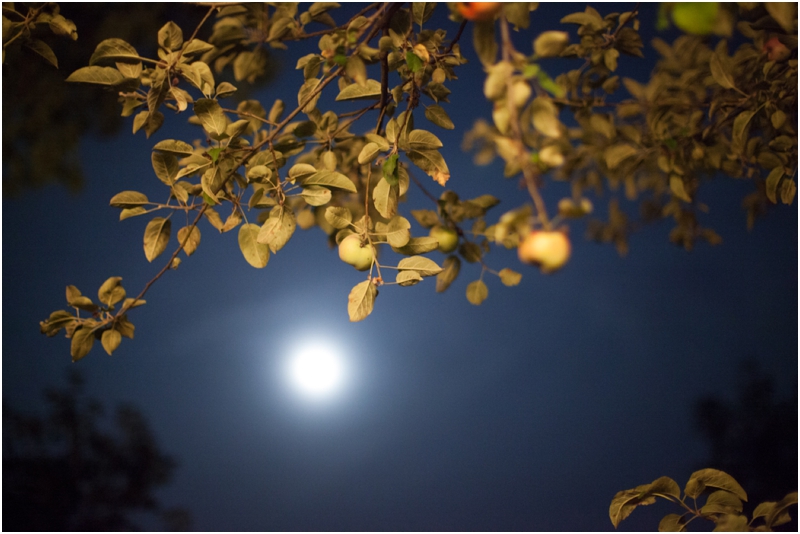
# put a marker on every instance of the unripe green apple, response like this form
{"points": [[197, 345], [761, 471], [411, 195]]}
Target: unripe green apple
{"points": [[549, 250], [351, 252], [447, 238]]}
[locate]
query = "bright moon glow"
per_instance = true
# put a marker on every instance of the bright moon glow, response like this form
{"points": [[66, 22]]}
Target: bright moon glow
{"points": [[316, 371]]}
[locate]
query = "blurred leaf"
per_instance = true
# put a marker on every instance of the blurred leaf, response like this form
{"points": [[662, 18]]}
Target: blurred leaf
{"points": [[82, 342], [510, 278], [111, 291], [450, 269], [110, 340], [477, 292]]}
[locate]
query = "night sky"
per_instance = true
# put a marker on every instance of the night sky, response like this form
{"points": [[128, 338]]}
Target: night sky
{"points": [[528, 412]]}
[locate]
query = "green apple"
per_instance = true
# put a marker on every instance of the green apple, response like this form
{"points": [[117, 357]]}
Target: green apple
{"points": [[352, 252], [447, 238], [549, 250]]}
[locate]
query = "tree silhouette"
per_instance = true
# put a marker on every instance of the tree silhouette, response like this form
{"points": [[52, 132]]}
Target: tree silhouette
{"points": [[69, 471], [754, 438]]}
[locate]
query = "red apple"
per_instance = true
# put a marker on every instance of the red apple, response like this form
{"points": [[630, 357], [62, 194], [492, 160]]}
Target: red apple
{"points": [[776, 50], [479, 11], [549, 250]]}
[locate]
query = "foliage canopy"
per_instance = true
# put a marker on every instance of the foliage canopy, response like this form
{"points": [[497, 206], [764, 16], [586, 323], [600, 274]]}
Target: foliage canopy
{"points": [[268, 168]]}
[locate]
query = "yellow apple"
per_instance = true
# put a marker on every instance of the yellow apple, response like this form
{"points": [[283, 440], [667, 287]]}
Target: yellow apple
{"points": [[352, 252], [549, 250], [447, 238]]}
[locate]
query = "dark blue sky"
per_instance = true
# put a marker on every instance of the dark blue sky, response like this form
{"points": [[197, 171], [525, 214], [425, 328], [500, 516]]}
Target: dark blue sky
{"points": [[526, 413]]}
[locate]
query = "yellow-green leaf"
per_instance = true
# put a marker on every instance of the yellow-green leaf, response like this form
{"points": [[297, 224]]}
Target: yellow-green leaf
{"points": [[176, 147], [97, 75], [156, 237], [773, 179], [329, 179], [129, 199], [438, 116], [370, 90], [82, 342], [190, 237], [338, 217], [114, 50], [677, 187], [111, 340], [278, 228], [211, 116], [165, 166], [421, 264], [256, 254], [111, 291], [477, 292], [510, 278], [361, 300], [408, 278]]}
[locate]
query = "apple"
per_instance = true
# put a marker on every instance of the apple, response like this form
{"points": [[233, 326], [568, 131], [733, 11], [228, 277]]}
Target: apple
{"points": [[447, 238], [549, 250], [352, 251], [480, 11], [776, 50]]}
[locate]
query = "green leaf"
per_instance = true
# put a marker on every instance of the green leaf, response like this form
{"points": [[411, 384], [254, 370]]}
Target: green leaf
{"points": [[156, 237], [368, 153], [421, 264], [510, 278], [371, 90], [278, 228], [111, 291], [385, 199], [256, 254], [450, 269], [315, 195], [432, 163], [41, 48], [82, 342], [114, 50], [97, 75], [398, 231], [128, 199], [418, 245], [438, 116], [773, 179], [211, 116], [361, 300], [413, 61], [196, 46], [664, 486], [165, 166], [301, 171], [338, 217], [175, 147], [712, 478], [720, 71], [390, 170], [784, 13], [111, 340], [408, 278], [328, 178], [190, 236], [672, 523], [477, 292], [618, 153]]}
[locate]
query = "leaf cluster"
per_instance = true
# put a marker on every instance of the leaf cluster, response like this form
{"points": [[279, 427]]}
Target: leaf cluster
{"points": [[271, 167], [723, 504]]}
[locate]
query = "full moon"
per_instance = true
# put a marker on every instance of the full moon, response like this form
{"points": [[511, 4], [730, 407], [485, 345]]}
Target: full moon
{"points": [[316, 371]]}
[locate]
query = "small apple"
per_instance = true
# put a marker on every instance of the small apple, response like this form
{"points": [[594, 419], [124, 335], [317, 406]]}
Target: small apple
{"points": [[448, 239], [776, 50], [549, 250], [480, 11], [352, 252]]}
